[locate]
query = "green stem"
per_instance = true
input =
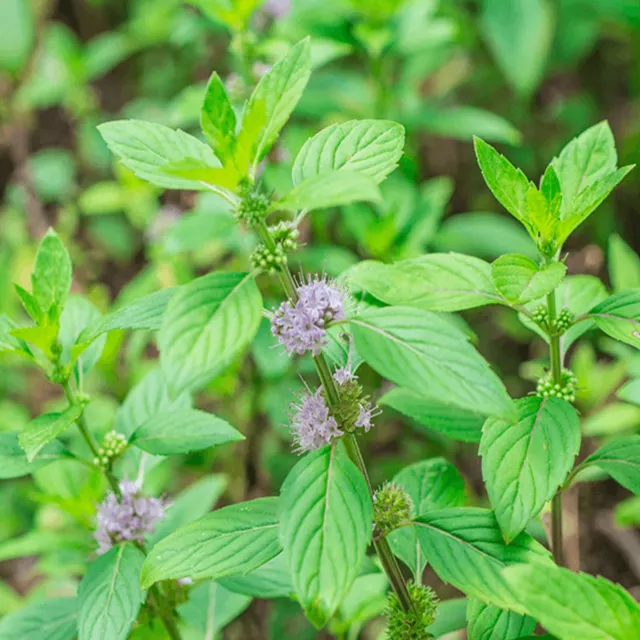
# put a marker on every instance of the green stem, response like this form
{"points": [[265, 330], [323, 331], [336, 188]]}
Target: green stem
{"points": [[555, 357], [388, 560], [155, 595]]}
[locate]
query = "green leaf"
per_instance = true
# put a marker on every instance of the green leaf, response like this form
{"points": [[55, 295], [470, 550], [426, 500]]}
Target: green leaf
{"points": [[464, 547], [330, 189], [51, 278], [370, 147], [8, 342], [109, 596], [452, 422], [431, 484], [210, 321], [154, 152], [619, 316], [235, 539], [572, 605], [175, 432], [13, 460], [620, 458], [519, 33], [451, 616], [508, 184], [46, 428], [232, 13], [49, 620], [192, 503], [218, 119], [272, 102], [16, 34], [490, 623], [422, 352], [435, 282], [519, 279], [524, 461], [29, 303], [367, 599], [143, 313], [271, 580], [624, 265], [326, 516]]}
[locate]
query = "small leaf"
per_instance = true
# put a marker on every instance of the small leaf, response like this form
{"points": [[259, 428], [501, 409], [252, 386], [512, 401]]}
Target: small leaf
{"points": [[109, 596], [181, 431], [210, 321], [370, 147], [624, 265], [519, 279], [619, 316], [422, 352], [49, 620], [51, 278], [620, 458], [331, 189], [575, 605], [46, 428], [235, 539], [326, 515], [218, 119], [524, 461], [487, 622], [151, 151], [8, 341], [464, 547]]}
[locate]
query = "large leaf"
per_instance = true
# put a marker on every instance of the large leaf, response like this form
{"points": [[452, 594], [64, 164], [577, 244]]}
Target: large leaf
{"points": [[426, 354], [619, 316], [206, 324], [326, 516], [109, 596], [156, 153], [431, 484], [465, 548], [435, 282], [13, 459], [371, 147], [234, 539], [181, 431], [572, 606], [620, 458], [218, 119], [487, 622], [45, 428], [271, 580], [50, 620], [519, 279], [525, 460]]}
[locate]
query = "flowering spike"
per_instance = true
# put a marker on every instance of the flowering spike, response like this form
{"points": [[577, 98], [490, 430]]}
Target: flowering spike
{"points": [[412, 624], [312, 423]]}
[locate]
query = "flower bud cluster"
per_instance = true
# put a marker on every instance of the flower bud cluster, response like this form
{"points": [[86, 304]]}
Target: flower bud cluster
{"points": [[392, 505], [566, 389], [113, 446], [563, 321], [412, 624], [254, 205], [285, 238]]}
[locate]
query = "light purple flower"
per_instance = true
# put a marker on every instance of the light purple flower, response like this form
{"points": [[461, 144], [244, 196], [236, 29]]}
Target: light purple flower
{"points": [[365, 416], [129, 518], [301, 327], [277, 8], [312, 424], [344, 375]]}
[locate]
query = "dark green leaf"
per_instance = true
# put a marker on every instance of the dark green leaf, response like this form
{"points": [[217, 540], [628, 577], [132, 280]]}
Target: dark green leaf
{"points": [[487, 622]]}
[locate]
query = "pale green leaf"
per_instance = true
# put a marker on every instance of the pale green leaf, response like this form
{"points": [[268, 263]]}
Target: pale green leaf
{"points": [[450, 616], [619, 316], [367, 599], [487, 622], [8, 342], [49, 620], [16, 34], [624, 265], [45, 428], [620, 458], [210, 321], [218, 119], [235, 539], [519, 279], [271, 580], [371, 147], [13, 459], [51, 278], [326, 515]]}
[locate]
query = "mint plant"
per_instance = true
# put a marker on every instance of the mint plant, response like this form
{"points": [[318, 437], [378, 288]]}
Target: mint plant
{"points": [[331, 540]]}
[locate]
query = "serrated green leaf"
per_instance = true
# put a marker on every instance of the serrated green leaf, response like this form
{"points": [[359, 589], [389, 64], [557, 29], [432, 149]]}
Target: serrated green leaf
{"points": [[620, 458], [181, 431], [519, 279], [49, 620], [330, 189], [207, 323], [370, 147], [431, 484], [109, 596], [218, 119], [452, 422], [271, 580], [422, 352], [152, 151], [619, 316], [13, 460], [524, 461], [487, 622], [571, 605], [435, 282], [235, 539], [326, 515], [624, 265], [51, 278], [46, 428], [464, 546]]}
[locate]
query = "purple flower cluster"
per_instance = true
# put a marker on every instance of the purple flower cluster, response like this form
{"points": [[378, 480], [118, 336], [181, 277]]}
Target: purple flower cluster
{"points": [[129, 518], [312, 424], [301, 327]]}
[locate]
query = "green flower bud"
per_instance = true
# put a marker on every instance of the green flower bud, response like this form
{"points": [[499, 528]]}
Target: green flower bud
{"points": [[391, 506], [412, 624]]}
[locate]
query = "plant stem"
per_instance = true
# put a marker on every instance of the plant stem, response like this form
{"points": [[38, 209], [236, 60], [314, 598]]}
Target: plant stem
{"points": [[170, 624], [555, 358], [388, 560]]}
